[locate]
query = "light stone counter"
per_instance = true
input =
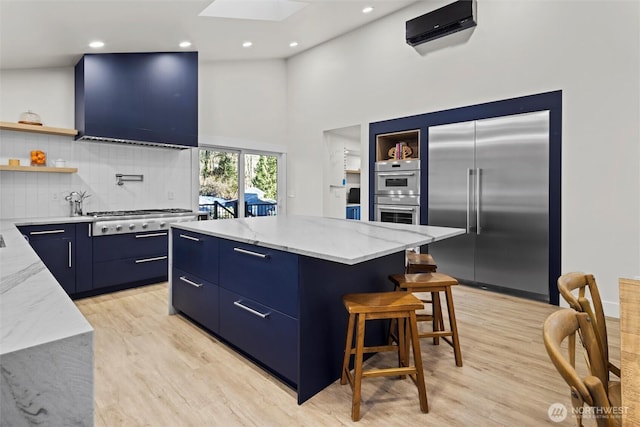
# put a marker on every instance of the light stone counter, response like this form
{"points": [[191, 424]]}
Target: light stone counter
{"points": [[46, 345], [344, 241]]}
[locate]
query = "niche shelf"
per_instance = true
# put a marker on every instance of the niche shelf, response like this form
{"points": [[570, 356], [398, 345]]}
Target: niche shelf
{"points": [[386, 142]]}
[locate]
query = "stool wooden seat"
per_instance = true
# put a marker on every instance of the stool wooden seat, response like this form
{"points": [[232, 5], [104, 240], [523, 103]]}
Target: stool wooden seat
{"points": [[434, 283], [420, 263], [382, 305]]}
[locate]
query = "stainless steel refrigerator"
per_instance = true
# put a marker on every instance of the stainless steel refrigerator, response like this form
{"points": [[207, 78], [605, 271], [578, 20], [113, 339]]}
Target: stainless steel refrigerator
{"points": [[491, 177]]}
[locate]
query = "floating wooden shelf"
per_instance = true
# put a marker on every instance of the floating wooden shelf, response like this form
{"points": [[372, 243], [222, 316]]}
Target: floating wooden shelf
{"points": [[357, 171], [20, 127], [37, 169]]}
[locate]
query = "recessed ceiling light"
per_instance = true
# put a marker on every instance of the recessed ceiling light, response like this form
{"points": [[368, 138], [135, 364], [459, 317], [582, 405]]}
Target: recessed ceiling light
{"points": [[247, 44], [293, 44], [96, 44], [367, 9], [185, 44]]}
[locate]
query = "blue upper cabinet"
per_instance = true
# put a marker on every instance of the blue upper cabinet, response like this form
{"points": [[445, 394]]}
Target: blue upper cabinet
{"points": [[143, 98]]}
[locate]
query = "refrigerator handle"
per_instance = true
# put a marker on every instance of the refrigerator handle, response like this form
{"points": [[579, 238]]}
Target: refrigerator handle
{"points": [[478, 175], [469, 178]]}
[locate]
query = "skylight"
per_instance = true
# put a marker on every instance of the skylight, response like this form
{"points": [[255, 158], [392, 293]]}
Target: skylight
{"points": [[262, 10]]}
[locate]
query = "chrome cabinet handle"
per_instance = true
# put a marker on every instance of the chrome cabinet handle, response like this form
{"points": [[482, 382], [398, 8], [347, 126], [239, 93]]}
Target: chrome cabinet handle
{"points": [[158, 258], [69, 251], [184, 236], [255, 254], [185, 280], [478, 175], [391, 208], [250, 310], [142, 236], [469, 177], [34, 233], [396, 173]]}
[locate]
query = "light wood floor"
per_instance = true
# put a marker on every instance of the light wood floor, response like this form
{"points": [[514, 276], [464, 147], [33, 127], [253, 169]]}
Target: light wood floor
{"points": [[152, 369]]}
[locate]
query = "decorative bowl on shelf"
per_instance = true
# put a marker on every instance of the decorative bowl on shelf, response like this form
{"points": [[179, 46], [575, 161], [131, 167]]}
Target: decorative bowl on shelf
{"points": [[30, 118], [38, 158]]}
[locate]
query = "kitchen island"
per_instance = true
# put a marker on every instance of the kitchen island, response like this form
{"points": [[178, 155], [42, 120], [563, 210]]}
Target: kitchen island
{"points": [[271, 287]]}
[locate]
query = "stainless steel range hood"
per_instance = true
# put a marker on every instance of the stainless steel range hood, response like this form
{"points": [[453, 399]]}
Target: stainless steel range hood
{"points": [[146, 99]]}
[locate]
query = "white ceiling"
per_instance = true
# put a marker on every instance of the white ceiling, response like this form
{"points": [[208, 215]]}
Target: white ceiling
{"points": [[55, 33]]}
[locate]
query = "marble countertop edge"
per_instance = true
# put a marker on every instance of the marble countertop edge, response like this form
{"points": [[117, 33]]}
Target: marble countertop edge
{"points": [[343, 241]]}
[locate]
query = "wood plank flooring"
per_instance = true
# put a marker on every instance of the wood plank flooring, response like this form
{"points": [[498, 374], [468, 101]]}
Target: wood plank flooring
{"points": [[152, 369]]}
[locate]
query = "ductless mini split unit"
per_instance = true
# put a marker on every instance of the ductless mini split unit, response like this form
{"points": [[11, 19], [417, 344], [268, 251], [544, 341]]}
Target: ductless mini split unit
{"points": [[441, 22]]}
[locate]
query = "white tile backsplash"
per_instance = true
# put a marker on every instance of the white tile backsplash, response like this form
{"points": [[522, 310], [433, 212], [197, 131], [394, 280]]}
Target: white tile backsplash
{"points": [[27, 195]]}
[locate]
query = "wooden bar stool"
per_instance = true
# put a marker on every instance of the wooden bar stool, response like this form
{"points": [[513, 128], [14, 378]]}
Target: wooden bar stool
{"points": [[382, 305], [420, 263], [434, 283]]}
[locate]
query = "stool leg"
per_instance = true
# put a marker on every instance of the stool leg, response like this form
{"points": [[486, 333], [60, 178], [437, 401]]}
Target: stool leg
{"points": [[436, 311], [403, 360], [454, 327], [417, 361], [357, 382], [347, 350], [393, 335]]}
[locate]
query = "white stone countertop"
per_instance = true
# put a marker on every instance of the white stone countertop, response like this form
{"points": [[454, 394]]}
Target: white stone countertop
{"points": [[34, 309], [339, 240], [49, 220]]}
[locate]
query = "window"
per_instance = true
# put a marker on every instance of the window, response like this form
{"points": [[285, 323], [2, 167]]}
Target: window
{"points": [[223, 182]]}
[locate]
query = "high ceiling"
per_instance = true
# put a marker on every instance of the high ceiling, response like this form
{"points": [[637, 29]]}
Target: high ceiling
{"points": [[55, 33]]}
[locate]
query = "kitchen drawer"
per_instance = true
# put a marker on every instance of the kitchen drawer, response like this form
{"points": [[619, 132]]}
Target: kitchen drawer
{"points": [[265, 275], [196, 298], [121, 271], [265, 334], [48, 231], [130, 245], [196, 253]]}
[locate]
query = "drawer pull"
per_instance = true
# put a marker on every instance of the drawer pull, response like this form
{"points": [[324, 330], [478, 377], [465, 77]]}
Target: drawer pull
{"points": [[184, 236], [34, 233], [158, 258], [185, 280], [142, 236], [250, 310], [255, 254]]}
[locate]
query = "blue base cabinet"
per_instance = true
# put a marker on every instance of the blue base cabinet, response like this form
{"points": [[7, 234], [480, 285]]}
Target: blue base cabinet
{"points": [[197, 298], [130, 258], [262, 332], [66, 251], [282, 310]]}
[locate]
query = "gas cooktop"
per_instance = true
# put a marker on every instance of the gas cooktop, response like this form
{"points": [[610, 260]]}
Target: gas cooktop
{"points": [[120, 222]]}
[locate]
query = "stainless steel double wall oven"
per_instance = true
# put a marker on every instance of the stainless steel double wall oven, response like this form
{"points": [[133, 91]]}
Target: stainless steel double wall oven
{"points": [[397, 191]]}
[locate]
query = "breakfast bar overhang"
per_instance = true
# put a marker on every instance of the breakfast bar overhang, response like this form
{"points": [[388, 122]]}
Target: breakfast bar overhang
{"points": [[271, 287]]}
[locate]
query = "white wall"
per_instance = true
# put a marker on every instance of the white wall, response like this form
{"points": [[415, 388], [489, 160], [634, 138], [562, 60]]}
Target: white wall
{"points": [[241, 104], [518, 48]]}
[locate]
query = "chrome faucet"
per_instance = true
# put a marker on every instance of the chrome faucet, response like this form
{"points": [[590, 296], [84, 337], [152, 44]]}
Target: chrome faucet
{"points": [[75, 200]]}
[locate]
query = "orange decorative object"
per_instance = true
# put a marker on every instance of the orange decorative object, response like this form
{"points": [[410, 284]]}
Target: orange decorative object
{"points": [[38, 158]]}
